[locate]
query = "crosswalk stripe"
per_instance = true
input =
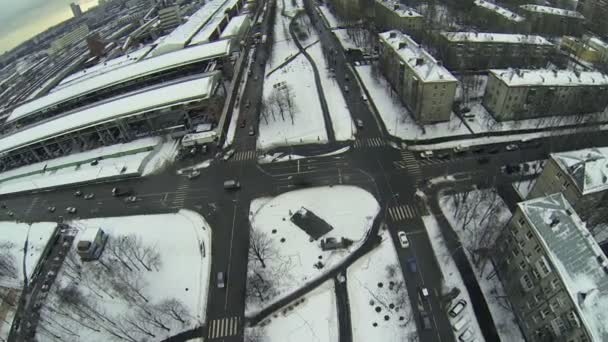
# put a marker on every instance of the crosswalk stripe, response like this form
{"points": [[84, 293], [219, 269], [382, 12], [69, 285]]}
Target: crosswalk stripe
{"points": [[221, 327]]}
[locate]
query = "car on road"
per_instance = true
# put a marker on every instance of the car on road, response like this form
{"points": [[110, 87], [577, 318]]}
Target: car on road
{"points": [[405, 243], [89, 196], [228, 155], [10, 214], [221, 280], [194, 174], [70, 210], [95, 162], [424, 292], [425, 321], [251, 131], [51, 209], [243, 123], [118, 192], [359, 123], [411, 265], [78, 193], [44, 288], [131, 199], [363, 97], [232, 184], [512, 147], [493, 150], [443, 155], [457, 308], [479, 150], [426, 154], [460, 149], [247, 104], [346, 89]]}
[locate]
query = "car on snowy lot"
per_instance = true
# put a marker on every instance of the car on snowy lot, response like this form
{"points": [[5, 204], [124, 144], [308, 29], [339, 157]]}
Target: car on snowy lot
{"points": [[457, 308], [405, 243]]}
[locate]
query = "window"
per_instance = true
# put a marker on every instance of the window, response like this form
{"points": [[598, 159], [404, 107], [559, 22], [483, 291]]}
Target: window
{"points": [[515, 252], [544, 312], [522, 265], [536, 298], [537, 248], [522, 221], [555, 283], [529, 235], [535, 274], [558, 326], [573, 318], [543, 267], [526, 282], [521, 243]]}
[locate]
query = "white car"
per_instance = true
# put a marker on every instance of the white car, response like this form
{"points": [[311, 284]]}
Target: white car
{"points": [[89, 196], [511, 147], [70, 210], [426, 154], [405, 243], [228, 155]]}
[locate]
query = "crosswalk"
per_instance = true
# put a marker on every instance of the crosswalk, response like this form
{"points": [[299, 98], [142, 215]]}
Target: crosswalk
{"points": [[370, 143], [245, 155], [402, 212], [409, 162], [181, 194], [222, 327]]}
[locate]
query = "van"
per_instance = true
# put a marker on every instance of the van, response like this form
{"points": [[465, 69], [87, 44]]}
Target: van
{"points": [[461, 323], [232, 184]]}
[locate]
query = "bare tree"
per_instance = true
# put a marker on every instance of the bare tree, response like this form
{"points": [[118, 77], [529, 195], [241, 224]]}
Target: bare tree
{"points": [[261, 247]]}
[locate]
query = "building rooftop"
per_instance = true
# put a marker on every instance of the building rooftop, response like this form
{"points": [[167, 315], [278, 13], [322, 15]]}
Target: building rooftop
{"points": [[552, 10], [546, 77], [89, 234], [500, 10], [576, 257], [150, 99], [588, 168], [124, 74], [506, 38], [424, 65], [400, 9], [234, 26]]}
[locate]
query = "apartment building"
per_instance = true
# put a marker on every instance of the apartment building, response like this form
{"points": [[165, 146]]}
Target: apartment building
{"points": [[73, 37], [596, 12], [495, 18], [474, 50], [513, 94], [554, 273], [391, 15], [582, 177], [552, 20], [425, 86]]}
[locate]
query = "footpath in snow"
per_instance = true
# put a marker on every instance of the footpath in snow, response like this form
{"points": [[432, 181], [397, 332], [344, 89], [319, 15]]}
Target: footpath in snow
{"points": [[147, 285]]}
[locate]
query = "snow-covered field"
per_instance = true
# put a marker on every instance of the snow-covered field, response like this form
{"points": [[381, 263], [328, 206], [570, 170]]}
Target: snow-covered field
{"points": [[478, 217], [149, 283], [311, 318], [283, 257], [379, 303], [396, 117], [451, 275]]}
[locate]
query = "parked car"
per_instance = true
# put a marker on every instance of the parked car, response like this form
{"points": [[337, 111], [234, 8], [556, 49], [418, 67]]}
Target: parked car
{"points": [[424, 292], [457, 308], [411, 265], [118, 192], [70, 210], [89, 196], [11, 214], [194, 174], [425, 321], [466, 336], [221, 281], [405, 243], [359, 123], [443, 155], [131, 199], [426, 154], [483, 160], [493, 150], [51, 209], [78, 193], [94, 162], [363, 97]]}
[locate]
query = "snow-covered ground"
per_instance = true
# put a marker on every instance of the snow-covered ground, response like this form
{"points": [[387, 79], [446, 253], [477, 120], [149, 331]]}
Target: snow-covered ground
{"points": [[196, 167], [523, 188], [311, 318], [290, 255], [13, 238], [451, 275], [280, 157], [151, 155], [380, 308], [8, 308], [355, 38], [477, 217], [397, 118], [148, 284]]}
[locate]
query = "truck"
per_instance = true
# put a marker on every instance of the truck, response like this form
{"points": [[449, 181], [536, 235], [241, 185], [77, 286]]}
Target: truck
{"points": [[118, 192]]}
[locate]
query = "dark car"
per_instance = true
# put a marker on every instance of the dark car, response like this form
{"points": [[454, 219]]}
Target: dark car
{"points": [[425, 321], [243, 123], [483, 160], [411, 265]]}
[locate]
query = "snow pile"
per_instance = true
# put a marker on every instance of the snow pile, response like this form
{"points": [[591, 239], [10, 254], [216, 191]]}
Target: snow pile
{"points": [[478, 217], [283, 257], [147, 285], [451, 275], [380, 307], [202, 165], [162, 157], [312, 318], [14, 237]]}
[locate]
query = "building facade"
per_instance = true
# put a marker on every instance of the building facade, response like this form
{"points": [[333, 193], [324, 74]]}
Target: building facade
{"points": [[76, 11], [596, 12], [391, 15], [552, 20], [513, 94], [423, 85], [554, 274], [582, 177], [474, 51], [75, 36], [170, 18], [495, 18]]}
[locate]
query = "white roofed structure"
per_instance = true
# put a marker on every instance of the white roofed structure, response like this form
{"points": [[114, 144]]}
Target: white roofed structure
{"points": [[503, 12], [136, 103], [552, 11], [398, 8], [236, 26], [587, 168], [124, 74], [506, 38], [546, 77]]}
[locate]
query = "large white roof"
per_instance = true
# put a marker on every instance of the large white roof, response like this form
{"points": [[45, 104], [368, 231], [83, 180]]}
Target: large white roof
{"points": [[546, 77], [423, 64], [552, 10], [588, 168], [399, 9], [130, 104], [577, 258], [235, 26], [505, 38], [500, 10], [181, 36], [124, 74]]}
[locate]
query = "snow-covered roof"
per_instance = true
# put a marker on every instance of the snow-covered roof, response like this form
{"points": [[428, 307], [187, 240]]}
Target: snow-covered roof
{"points": [[552, 10], [598, 43], [546, 77], [421, 62], [506, 38], [234, 26], [125, 74], [89, 234], [588, 168], [576, 256], [150, 99], [500, 10], [181, 36], [399, 9]]}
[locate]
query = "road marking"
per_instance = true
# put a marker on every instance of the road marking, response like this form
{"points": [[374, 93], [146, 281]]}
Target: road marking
{"points": [[245, 155], [222, 327], [402, 212], [370, 142]]}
